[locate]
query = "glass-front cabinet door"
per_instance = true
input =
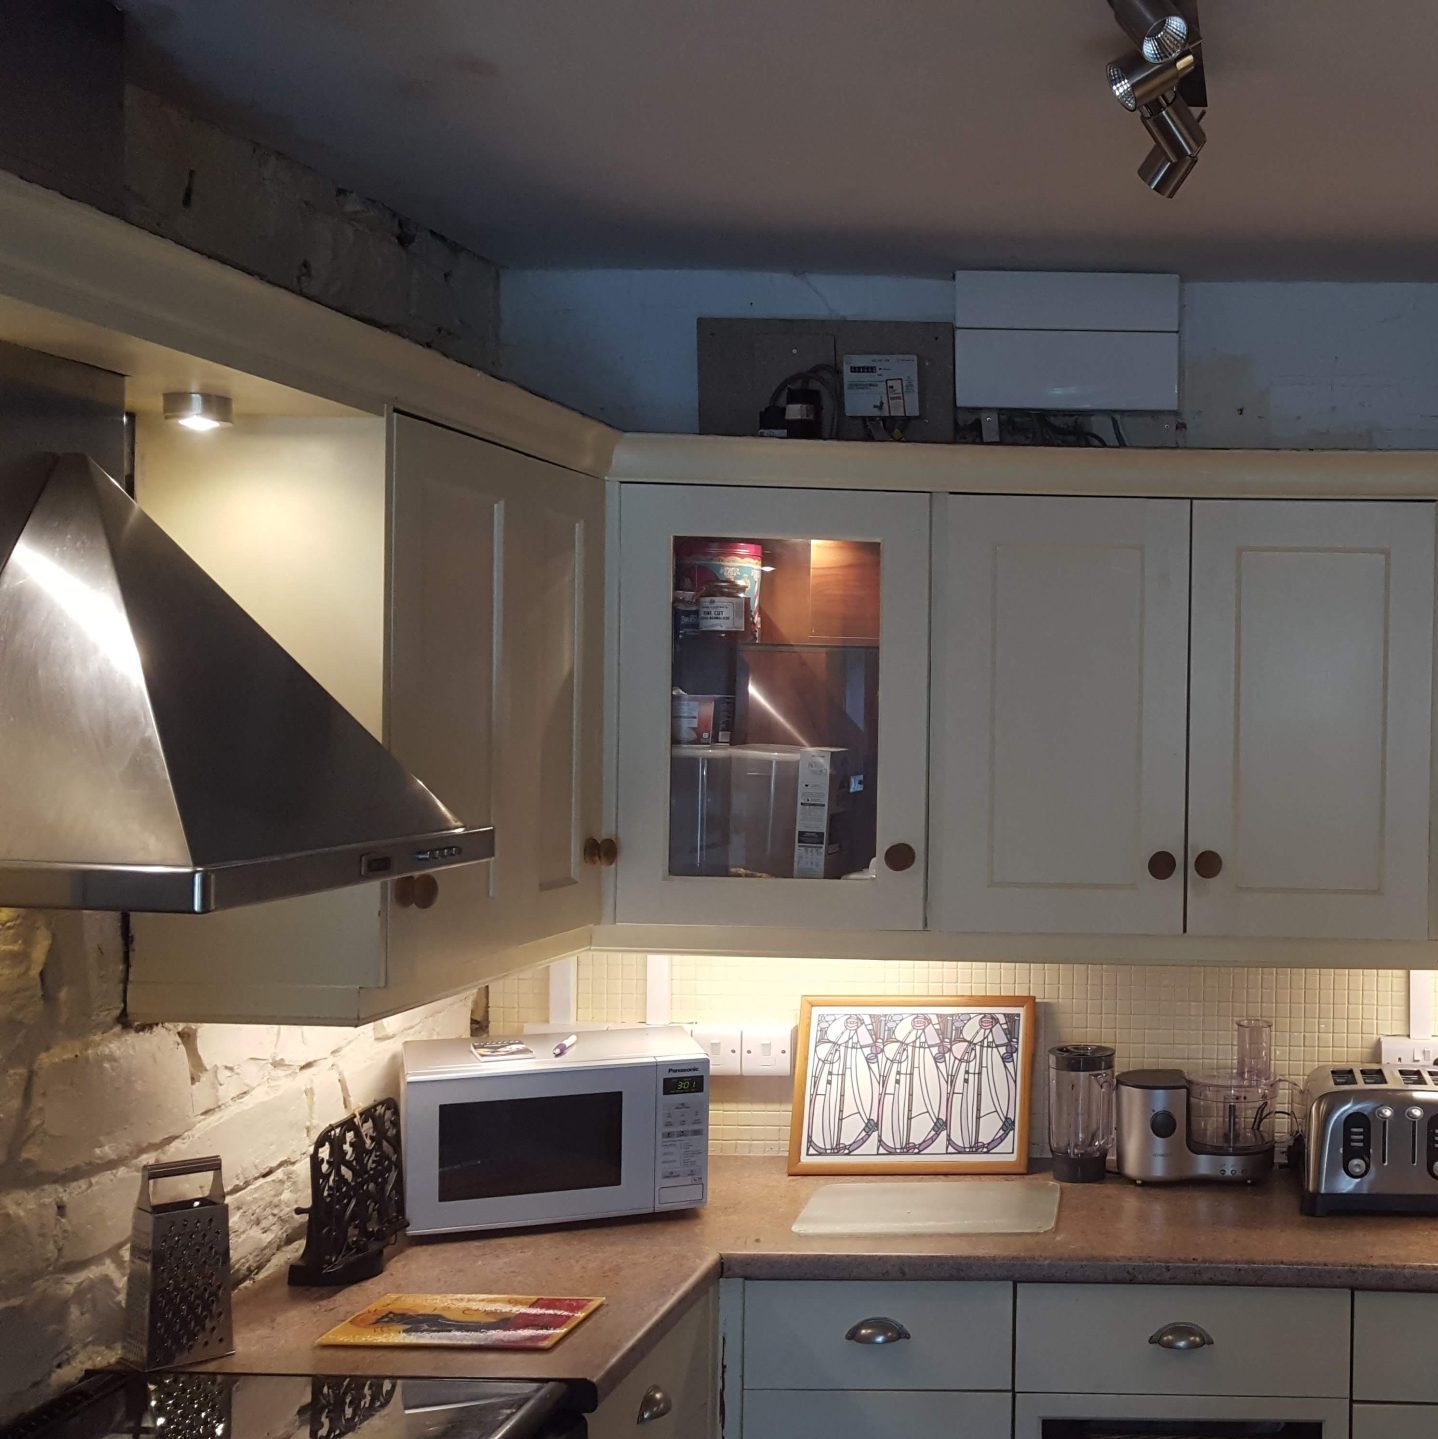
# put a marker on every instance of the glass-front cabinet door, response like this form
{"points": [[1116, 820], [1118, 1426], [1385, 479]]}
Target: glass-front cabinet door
{"points": [[773, 706]]}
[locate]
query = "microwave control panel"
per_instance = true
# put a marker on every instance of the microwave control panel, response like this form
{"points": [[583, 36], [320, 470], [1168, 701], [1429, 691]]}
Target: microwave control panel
{"points": [[682, 1174]]}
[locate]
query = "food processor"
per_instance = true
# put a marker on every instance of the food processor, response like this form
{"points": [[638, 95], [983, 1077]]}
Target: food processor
{"points": [[1213, 1124]]}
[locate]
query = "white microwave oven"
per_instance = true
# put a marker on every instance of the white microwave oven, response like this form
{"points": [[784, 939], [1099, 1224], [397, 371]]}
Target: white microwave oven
{"points": [[616, 1124]]}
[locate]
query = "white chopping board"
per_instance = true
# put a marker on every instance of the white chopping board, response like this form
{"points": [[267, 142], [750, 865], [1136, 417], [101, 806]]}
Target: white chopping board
{"points": [[933, 1206]]}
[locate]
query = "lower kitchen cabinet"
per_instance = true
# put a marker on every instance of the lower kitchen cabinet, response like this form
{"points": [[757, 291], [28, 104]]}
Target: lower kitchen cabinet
{"points": [[1157, 1416], [1182, 1339], [1394, 1421], [673, 1392], [870, 1335], [875, 1414], [1071, 1361]]}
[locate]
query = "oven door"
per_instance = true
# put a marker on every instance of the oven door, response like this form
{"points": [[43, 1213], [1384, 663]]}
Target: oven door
{"points": [[1130, 1416], [492, 1151]]}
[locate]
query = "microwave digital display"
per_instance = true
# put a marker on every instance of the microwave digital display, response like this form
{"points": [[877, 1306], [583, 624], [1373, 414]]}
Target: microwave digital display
{"points": [[685, 1084], [500, 1147]]}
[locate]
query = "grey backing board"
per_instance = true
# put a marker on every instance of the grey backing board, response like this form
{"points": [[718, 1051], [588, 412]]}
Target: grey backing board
{"points": [[741, 361]]}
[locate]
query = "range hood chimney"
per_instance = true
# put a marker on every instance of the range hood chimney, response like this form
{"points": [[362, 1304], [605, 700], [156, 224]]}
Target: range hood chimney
{"points": [[158, 750]]}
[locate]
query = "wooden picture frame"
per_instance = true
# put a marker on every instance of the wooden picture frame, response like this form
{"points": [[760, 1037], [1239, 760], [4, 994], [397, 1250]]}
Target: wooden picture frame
{"points": [[961, 1067]]}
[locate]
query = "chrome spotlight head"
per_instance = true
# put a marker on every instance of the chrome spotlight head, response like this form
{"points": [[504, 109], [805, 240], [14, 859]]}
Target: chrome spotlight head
{"points": [[1166, 39], [1136, 81], [1165, 176], [1155, 26], [1174, 128]]}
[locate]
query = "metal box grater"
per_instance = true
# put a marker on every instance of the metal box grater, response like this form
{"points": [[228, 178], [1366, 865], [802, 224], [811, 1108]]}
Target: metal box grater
{"points": [[178, 1304]]}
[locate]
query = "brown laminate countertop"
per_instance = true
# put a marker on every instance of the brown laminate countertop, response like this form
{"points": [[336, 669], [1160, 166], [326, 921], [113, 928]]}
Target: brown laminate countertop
{"points": [[651, 1269]]}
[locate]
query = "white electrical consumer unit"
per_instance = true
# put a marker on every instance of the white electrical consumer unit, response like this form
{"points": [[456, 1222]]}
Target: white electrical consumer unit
{"points": [[1030, 340], [881, 386]]}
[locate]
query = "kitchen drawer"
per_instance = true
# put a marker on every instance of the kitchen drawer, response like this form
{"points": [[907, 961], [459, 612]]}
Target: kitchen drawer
{"points": [[960, 1335], [1394, 1421], [1095, 1339], [874, 1414], [1393, 1337], [1158, 1416], [683, 1367]]}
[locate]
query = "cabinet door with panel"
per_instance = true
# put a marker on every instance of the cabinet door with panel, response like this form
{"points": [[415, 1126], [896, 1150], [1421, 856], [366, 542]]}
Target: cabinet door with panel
{"points": [[1310, 708], [773, 682], [673, 1392], [448, 591], [1059, 691], [494, 674]]}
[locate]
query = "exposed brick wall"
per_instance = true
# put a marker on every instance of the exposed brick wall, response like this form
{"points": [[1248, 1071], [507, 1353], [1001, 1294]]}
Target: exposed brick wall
{"points": [[84, 1101], [262, 212]]}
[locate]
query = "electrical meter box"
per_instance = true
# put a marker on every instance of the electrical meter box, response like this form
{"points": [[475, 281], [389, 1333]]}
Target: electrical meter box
{"points": [[881, 386]]}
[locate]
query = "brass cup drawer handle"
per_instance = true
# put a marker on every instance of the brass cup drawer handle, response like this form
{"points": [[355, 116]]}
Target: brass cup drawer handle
{"points": [[655, 1404], [878, 1330], [1182, 1337]]}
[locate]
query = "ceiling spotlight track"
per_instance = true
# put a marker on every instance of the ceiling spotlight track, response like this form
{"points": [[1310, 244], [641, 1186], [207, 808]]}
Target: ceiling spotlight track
{"points": [[1148, 81]]}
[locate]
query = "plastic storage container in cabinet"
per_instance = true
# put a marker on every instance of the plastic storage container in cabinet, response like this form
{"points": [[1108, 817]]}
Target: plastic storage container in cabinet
{"points": [[825, 1334]]}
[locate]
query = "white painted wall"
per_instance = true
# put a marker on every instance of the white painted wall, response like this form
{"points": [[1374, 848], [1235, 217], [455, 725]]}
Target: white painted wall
{"points": [[1264, 364], [620, 344]]}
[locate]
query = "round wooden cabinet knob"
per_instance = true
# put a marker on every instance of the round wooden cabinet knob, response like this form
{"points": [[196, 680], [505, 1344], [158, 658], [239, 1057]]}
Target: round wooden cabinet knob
{"points": [[608, 851], [426, 891], [591, 850], [404, 891], [900, 856], [1208, 864], [1161, 864]]}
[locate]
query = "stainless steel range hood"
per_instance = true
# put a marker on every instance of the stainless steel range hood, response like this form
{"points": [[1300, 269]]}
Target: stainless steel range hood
{"points": [[158, 750]]}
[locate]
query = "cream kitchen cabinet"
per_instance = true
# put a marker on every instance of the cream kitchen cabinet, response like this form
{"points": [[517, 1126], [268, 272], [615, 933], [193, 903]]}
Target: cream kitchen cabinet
{"points": [[1040, 1361], [448, 591], [773, 707], [673, 1392], [1122, 747], [1060, 679]]}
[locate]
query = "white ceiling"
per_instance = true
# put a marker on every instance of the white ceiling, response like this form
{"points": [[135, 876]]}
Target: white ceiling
{"points": [[908, 137]]}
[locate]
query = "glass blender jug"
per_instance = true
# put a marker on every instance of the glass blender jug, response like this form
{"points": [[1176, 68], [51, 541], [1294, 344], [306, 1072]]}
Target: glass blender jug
{"points": [[1081, 1123]]}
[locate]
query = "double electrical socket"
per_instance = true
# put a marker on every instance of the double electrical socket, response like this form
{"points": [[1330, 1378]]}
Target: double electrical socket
{"points": [[1407, 1049], [752, 1049]]}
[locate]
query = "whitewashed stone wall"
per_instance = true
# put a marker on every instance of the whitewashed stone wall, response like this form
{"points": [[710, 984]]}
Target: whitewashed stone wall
{"points": [[84, 1101]]}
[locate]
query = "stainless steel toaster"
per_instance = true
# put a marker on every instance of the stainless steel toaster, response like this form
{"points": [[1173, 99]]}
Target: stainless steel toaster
{"points": [[1370, 1140]]}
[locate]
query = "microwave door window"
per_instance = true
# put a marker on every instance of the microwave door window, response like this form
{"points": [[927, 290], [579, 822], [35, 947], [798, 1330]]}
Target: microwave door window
{"points": [[504, 1147]]}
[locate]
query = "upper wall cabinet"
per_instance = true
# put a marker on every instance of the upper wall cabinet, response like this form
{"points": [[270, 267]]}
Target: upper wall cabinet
{"points": [[1069, 703], [447, 590], [1309, 712], [773, 703], [1060, 683]]}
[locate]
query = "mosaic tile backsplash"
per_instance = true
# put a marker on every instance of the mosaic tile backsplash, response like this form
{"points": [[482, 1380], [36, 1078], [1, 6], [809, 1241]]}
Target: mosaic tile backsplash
{"points": [[1181, 1015]]}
